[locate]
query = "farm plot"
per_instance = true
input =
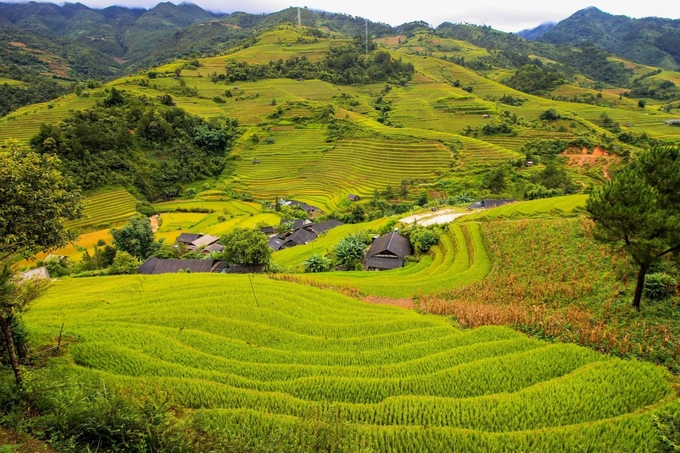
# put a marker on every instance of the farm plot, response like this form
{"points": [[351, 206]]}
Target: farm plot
{"points": [[106, 209], [299, 164], [566, 206], [460, 258], [25, 122], [391, 380]]}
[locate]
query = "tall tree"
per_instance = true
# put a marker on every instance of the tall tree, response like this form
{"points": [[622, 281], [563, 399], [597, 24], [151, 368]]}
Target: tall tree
{"points": [[35, 200], [639, 210], [136, 238]]}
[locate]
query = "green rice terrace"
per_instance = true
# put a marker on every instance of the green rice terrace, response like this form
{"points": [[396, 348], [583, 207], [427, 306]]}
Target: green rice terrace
{"points": [[268, 355], [459, 259]]}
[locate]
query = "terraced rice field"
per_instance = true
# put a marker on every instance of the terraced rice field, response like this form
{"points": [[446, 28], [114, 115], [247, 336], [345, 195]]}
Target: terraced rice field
{"points": [[301, 165], [387, 379], [459, 259], [233, 207], [566, 206], [25, 122], [106, 209]]}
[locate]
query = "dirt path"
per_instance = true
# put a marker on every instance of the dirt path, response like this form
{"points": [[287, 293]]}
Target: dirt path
{"points": [[401, 303], [154, 222]]}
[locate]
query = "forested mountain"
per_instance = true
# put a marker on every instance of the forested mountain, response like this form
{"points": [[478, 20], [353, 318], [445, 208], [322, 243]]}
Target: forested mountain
{"points": [[536, 33], [652, 41]]}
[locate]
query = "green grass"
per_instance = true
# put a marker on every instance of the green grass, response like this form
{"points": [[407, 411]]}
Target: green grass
{"points": [[395, 380], [106, 209]]}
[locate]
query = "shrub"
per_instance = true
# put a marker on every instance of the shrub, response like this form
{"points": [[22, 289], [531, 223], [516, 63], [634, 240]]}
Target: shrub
{"points": [[350, 251], [317, 263], [422, 239], [550, 115], [659, 286], [124, 263]]}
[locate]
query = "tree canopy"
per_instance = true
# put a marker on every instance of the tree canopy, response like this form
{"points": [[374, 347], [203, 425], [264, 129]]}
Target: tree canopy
{"points": [[639, 210], [136, 238], [246, 246], [35, 201]]}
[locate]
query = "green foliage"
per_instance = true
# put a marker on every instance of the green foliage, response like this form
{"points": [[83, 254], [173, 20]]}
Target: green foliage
{"points": [[533, 79], [496, 180], [35, 201], [246, 246], [136, 238], [124, 263], [349, 253], [35, 88], [667, 424], [317, 263], [137, 142], [556, 177], [422, 239], [343, 65], [549, 115], [659, 286], [639, 210]]}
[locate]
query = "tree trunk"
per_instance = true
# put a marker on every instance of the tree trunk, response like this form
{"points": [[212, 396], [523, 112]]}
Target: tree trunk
{"points": [[6, 326], [640, 283]]}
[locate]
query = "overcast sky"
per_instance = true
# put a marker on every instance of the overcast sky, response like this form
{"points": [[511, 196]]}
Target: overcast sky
{"points": [[500, 14]]}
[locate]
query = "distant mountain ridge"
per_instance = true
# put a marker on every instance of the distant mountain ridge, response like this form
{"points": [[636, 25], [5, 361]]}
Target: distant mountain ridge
{"points": [[534, 33], [652, 41]]}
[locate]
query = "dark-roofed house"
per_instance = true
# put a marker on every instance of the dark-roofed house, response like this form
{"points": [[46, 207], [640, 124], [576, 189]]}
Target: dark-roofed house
{"points": [[352, 197], [388, 252], [276, 242], [322, 227], [299, 237], [268, 230], [202, 241], [308, 208], [187, 238], [212, 248], [159, 266], [487, 204], [297, 223]]}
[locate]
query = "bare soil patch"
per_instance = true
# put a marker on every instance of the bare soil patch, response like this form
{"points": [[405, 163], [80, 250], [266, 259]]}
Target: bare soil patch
{"points": [[401, 303], [21, 443]]}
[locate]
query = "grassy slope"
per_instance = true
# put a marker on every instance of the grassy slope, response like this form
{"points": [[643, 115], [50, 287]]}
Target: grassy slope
{"points": [[205, 341], [430, 109], [551, 278]]}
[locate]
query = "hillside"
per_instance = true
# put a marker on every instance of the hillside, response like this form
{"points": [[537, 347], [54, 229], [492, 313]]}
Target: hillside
{"points": [[350, 138], [520, 335], [651, 41], [283, 356]]}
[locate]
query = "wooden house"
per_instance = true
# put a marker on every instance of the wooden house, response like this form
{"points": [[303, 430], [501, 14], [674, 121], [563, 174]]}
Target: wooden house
{"points": [[388, 252], [154, 266]]}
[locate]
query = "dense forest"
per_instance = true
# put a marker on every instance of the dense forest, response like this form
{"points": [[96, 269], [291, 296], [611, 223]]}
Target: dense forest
{"points": [[148, 143]]}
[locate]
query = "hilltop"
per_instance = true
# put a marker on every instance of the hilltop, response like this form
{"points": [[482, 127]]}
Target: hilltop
{"points": [[651, 41]]}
